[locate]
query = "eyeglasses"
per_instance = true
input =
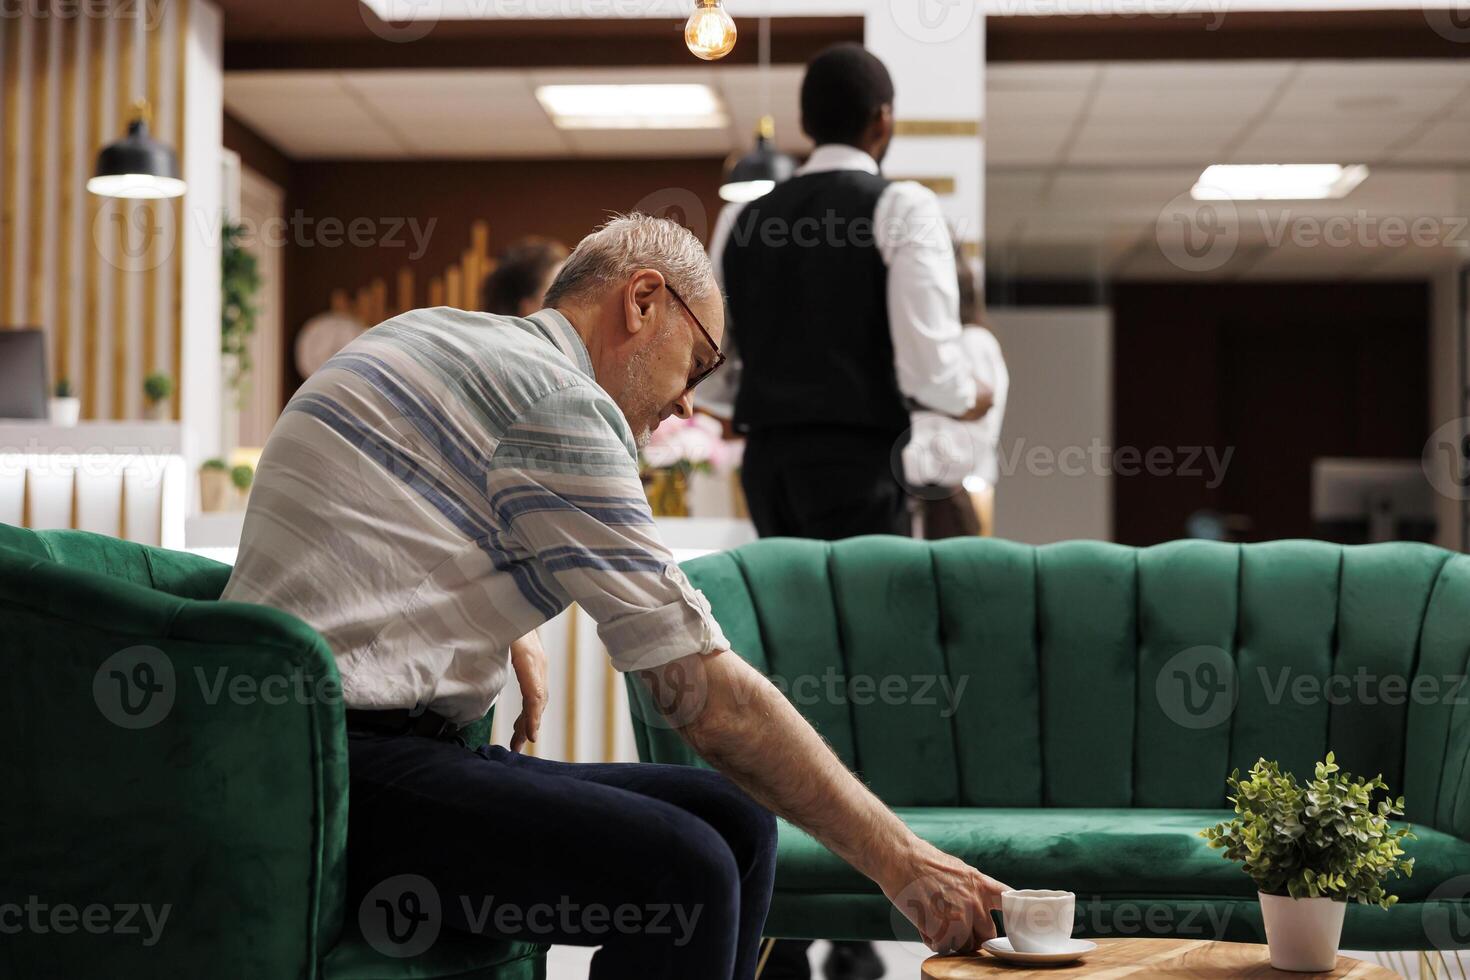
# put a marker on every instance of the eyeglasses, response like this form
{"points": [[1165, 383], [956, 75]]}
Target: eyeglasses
{"points": [[700, 373]]}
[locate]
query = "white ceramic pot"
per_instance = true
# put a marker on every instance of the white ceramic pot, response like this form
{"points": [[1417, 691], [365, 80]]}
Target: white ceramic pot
{"points": [[1303, 933], [64, 411]]}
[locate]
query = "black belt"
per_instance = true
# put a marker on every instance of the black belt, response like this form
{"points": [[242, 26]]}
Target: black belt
{"points": [[401, 721]]}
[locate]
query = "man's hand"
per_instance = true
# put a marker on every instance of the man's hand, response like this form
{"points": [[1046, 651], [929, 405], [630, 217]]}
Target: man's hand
{"points": [[732, 716], [528, 660], [949, 902]]}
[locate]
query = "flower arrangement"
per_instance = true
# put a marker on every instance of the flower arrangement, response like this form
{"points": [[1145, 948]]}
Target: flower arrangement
{"points": [[677, 449]]}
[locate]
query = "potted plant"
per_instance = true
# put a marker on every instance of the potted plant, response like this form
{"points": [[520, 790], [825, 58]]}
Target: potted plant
{"points": [[65, 408], [240, 286], [1310, 850], [157, 388], [242, 476], [214, 485]]}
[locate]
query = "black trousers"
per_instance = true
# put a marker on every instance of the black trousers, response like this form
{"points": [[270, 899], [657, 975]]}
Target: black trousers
{"points": [[826, 482], [667, 868]]}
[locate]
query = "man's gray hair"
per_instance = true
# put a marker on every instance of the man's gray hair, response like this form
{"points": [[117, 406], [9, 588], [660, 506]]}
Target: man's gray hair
{"points": [[630, 242]]}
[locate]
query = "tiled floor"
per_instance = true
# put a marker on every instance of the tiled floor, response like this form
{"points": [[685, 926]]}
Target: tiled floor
{"points": [[903, 959]]}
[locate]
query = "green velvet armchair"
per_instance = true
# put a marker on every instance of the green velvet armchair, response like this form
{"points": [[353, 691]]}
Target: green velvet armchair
{"points": [[175, 781], [1065, 716]]}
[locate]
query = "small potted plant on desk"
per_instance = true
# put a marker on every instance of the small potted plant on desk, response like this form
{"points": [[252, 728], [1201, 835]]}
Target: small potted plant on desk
{"points": [[242, 476], [214, 485], [157, 388], [65, 407], [1310, 850]]}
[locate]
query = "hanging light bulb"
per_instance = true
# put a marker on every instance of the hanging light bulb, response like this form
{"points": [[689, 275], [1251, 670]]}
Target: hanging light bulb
{"points": [[710, 31]]}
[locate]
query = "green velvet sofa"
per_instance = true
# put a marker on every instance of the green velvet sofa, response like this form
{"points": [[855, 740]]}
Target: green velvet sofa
{"points": [[1037, 722], [220, 797]]}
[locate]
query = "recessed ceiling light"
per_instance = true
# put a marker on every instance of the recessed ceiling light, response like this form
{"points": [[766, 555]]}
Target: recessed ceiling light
{"points": [[632, 106], [1277, 181]]}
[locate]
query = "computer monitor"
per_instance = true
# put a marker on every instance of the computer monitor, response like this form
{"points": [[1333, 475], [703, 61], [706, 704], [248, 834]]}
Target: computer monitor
{"points": [[22, 374], [1356, 501]]}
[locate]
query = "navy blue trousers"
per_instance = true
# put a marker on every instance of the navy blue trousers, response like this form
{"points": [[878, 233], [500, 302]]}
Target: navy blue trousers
{"points": [[667, 868]]}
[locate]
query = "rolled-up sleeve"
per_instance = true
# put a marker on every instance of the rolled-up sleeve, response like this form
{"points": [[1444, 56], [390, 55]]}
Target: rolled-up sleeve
{"points": [[564, 485]]}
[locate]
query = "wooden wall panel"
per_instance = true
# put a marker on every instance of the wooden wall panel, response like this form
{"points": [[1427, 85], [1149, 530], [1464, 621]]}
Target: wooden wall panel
{"points": [[102, 278]]}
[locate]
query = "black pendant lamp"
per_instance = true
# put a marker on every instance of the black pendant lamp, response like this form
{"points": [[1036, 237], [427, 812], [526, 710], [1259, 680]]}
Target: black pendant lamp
{"points": [[754, 174], [137, 166]]}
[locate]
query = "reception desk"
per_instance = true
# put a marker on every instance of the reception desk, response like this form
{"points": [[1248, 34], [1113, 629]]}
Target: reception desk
{"points": [[125, 479]]}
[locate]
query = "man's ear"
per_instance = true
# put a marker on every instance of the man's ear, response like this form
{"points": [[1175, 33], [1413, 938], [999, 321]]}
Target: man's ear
{"points": [[639, 298]]}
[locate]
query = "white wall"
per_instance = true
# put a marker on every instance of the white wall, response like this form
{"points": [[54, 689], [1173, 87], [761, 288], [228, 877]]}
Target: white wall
{"points": [[200, 305], [1059, 422]]}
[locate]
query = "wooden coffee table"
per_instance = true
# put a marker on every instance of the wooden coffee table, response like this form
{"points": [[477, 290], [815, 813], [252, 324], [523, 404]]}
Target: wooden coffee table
{"points": [[1187, 959]]}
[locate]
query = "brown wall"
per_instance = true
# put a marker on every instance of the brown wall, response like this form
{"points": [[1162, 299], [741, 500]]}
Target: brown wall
{"points": [[564, 199], [1282, 373]]}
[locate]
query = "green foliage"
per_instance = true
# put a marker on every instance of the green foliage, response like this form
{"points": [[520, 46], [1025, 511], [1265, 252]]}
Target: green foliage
{"points": [[1327, 839], [63, 388], [240, 281], [213, 464], [157, 387], [242, 476]]}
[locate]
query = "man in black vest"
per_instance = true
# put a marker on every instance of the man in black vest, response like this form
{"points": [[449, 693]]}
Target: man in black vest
{"points": [[845, 310], [844, 306]]}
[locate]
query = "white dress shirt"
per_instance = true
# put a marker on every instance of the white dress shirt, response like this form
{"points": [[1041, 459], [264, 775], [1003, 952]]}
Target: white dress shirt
{"points": [[923, 292], [949, 453]]}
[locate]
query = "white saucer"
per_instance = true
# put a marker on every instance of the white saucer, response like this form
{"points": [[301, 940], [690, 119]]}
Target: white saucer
{"points": [[1074, 949]]}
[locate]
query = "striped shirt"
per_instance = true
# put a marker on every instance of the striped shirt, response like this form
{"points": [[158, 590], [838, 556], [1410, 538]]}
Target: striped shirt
{"points": [[445, 484]]}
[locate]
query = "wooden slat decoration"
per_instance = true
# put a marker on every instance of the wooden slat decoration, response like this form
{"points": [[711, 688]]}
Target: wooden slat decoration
{"points": [[61, 279], [960, 128], [42, 118], [105, 295], [453, 284], [89, 386], [124, 372], [181, 52], [153, 213], [436, 291], [405, 289], [9, 178]]}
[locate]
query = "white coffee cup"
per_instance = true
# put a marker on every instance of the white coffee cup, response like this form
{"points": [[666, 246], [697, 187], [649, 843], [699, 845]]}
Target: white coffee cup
{"points": [[1038, 920]]}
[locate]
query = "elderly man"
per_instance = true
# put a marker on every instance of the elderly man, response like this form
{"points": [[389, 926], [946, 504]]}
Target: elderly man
{"points": [[450, 481]]}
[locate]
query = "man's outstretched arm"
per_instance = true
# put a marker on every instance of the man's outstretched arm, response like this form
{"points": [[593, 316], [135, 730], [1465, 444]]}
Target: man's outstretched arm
{"points": [[739, 723]]}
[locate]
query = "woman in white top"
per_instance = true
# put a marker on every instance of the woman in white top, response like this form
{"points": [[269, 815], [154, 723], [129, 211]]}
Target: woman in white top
{"points": [[952, 466]]}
